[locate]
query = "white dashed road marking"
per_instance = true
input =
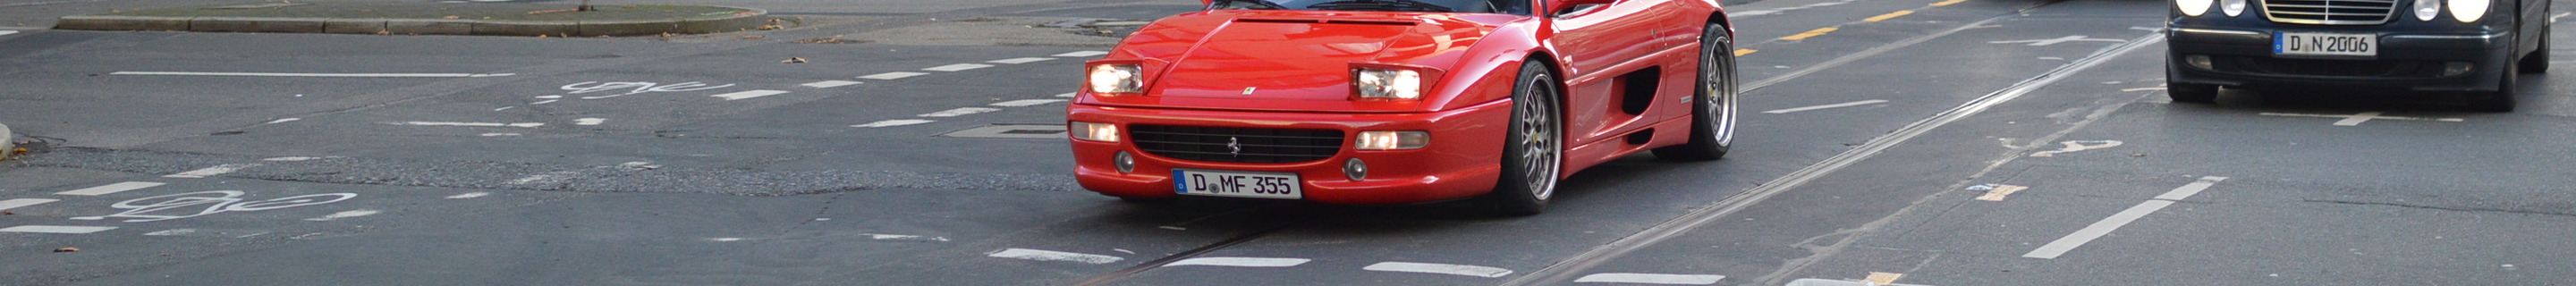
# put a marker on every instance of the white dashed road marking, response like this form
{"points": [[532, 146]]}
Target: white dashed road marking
{"points": [[470, 124], [7, 32], [1045, 255], [281, 120], [469, 195], [892, 123], [1436, 268], [109, 189], [16, 203], [1065, 95], [271, 74], [1026, 102], [1644, 278], [741, 95], [171, 232], [345, 214], [892, 75], [290, 159], [957, 67], [1019, 61], [56, 229], [2357, 119], [1081, 54], [830, 83], [900, 236], [589, 121], [1836, 105], [959, 111], [1241, 262], [211, 171], [2104, 227]]}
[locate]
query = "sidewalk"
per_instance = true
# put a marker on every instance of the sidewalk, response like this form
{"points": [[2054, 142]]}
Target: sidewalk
{"points": [[415, 18]]}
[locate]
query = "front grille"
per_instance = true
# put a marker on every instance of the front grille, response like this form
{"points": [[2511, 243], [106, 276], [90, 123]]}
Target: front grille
{"points": [[2397, 69], [2330, 12], [1239, 145]]}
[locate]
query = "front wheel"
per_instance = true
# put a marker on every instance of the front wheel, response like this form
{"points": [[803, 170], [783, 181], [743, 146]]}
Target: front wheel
{"points": [[2500, 100], [1533, 149], [1713, 104]]}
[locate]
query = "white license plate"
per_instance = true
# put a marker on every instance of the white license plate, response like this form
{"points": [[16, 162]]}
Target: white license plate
{"points": [[1237, 184], [2324, 44]]}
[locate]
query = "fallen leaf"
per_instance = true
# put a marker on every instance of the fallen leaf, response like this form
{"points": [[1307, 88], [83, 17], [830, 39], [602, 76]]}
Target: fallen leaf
{"points": [[541, 35], [382, 32], [452, 17], [752, 37], [8, 213], [793, 60], [2138, 155], [67, 249]]}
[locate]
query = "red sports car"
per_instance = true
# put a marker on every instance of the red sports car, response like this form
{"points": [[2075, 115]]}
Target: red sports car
{"points": [[1402, 101]]}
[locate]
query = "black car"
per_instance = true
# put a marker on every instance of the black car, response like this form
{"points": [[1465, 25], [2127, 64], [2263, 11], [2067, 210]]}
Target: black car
{"points": [[2471, 47]]}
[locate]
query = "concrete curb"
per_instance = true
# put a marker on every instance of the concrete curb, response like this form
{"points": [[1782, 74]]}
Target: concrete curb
{"points": [[581, 28]]}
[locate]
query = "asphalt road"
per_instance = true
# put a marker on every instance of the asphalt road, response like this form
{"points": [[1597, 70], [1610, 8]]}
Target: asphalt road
{"points": [[1977, 142]]}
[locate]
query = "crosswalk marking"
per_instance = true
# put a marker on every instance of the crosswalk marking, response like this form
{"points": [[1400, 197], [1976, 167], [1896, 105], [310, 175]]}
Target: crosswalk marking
{"points": [[1018, 60], [830, 83], [15, 203], [892, 75], [1646, 278], [56, 229], [957, 67], [109, 189], [750, 94]]}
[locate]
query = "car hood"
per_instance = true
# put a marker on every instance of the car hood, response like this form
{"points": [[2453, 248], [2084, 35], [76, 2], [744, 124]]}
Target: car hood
{"points": [[1290, 60]]}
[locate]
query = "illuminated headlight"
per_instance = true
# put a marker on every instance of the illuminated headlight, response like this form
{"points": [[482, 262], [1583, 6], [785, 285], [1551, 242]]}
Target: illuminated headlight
{"points": [[1393, 140], [2425, 10], [1088, 131], [2192, 7], [2231, 7], [1387, 83], [2469, 10], [1115, 78]]}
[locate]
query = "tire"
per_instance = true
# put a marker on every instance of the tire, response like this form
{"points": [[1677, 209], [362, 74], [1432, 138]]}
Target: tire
{"points": [[2191, 92], [1713, 105], [1534, 147], [2538, 60], [2500, 100]]}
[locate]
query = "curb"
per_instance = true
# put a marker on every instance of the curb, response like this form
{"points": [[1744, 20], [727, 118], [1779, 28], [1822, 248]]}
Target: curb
{"points": [[584, 28]]}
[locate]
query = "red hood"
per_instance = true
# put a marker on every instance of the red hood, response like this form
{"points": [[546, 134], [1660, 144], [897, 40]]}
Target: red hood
{"points": [[1289, 60]]}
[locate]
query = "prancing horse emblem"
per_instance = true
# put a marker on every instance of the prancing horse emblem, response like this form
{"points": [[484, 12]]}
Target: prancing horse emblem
{"points": [[1231, 143], [1248, 90]]}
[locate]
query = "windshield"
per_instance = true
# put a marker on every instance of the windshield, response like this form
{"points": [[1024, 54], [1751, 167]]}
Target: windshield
{"points": [[1516, 7]]}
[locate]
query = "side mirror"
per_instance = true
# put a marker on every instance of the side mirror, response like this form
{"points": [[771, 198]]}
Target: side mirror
{"points": [[1562, 8]]}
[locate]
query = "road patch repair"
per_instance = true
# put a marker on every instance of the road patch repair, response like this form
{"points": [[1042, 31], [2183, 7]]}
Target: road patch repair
{"points": [[408, 18]]}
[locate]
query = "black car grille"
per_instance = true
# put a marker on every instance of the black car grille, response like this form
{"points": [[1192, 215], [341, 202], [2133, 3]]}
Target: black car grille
{"points": [[2334, 68], [1239, 145], [2330, 12]]}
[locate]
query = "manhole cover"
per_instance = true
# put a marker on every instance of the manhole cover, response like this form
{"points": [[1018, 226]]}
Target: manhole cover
{"points": [[1020, 131]]}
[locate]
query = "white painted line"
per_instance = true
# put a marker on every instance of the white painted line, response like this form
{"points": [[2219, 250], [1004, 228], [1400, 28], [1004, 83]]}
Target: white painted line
{"points": [[725, 239], [2357, 119], [469, 195], [1044, 255], [16, 203], [1240, 262], [1019, 61], [211, 171], [56, 229], [345, 214], [589, 121], [504, 108], [1836, 105], [110, 189], [2554, 18], [1997, 192], [1026, 102], [7, 32], [1644, 278], [171, 232], [750, 94], [891, 123], [281, 120], [499, 134], [291, 159], [269, 74], [1064, 95], [544, 101], [830, 84], [2097, 230], [2141, 89], [549, 178], [892, 75], [957, 67], [918, 238], [1436, 268], [2191, 189], [469, 124], [959, 111], [1081, 54]]}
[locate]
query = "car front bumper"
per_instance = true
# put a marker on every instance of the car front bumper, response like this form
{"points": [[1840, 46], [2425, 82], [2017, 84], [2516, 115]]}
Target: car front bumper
{"points": [[2242, 55], [1462, 160]]}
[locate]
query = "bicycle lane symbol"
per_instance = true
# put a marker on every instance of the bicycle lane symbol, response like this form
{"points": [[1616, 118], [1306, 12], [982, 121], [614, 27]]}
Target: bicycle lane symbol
{"points": [[143, 209]]}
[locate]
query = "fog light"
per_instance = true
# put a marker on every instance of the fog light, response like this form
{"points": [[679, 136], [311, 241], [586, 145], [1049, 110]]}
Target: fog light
{"points": [[1355, 169], [1393, 140], [1126, 163], [2457, 68], [2199, 61]]}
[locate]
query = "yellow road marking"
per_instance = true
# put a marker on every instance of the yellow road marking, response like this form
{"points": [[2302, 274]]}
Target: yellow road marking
{"points": [[1810, 34], [1892, 15], [1947, 3], [1997, 194], [1742, 52], [1883, 278]]}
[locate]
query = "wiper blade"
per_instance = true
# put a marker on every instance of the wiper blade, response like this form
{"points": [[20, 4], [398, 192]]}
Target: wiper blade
{"points": [[1256, 4], [1380, 5]]}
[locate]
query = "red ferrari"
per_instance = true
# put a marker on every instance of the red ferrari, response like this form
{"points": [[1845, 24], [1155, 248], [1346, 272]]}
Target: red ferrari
{"points": [[1402, 101]]}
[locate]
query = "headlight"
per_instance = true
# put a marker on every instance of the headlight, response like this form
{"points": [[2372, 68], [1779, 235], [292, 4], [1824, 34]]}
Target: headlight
{"points": [[2231, 7], [1387, 83], [2469, 10], [1115, 78], [2425, 10], [1393, 140], [1090, 131], [2192, 7]]}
